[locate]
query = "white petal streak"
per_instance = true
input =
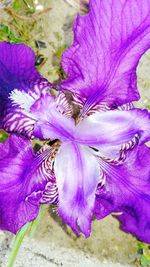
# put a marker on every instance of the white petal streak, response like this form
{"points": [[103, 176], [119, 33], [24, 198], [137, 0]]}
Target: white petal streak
{"points": [[23, 99]]}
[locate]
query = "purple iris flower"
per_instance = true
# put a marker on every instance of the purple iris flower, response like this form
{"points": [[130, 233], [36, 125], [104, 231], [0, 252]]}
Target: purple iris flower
{"points": [[98, 162]]}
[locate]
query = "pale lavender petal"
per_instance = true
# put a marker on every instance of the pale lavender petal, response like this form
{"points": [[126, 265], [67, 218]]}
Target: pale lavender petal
{"points": [[127, 190], [44, 116], [108, 43], [114, 127], [23, 182], [77, 176], [50, 122]]}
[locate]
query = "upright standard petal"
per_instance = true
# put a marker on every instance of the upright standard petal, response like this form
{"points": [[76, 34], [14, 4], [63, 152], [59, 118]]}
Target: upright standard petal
{"points": [[108, 43], [127, 190], [77, 176], [23, 182], [17, 69], [114, 127], [20, 83]]}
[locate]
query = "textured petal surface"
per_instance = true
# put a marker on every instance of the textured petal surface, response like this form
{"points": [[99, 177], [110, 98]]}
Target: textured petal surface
{"points": [[17, 70], [77, 176], [17, 73], [127, 190], [108, 43], [113, 127], [20, 176]]}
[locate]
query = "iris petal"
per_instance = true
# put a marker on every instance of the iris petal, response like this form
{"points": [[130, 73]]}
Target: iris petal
{"points": [[18, 73], [113, 128], [23, 182], [127, 190], [77, 176], [108, 43], [17, 70], [51, 123]]}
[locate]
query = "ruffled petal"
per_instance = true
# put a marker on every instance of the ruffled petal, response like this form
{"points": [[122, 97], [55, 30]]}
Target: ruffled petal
{"points": [[127, 191], [23, 182], [20, 85], [77, 176], [113, 128], [108, 43]]}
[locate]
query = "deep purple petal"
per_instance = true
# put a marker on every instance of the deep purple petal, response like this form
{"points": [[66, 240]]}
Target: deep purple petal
{"points": [[113, 128], [77, 176], [22, 183], [127, 190], [17, 74], [108, 43], [17, 70]]}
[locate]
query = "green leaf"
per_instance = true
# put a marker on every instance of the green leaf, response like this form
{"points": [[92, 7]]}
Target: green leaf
{"points": [[3, 136], [19, 5], [29, 227], [17, 243], [144, 261], [148, 106], [16, 5], [6, 33]]}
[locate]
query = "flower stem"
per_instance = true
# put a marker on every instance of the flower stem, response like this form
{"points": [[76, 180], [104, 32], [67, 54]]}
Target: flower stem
{"points": [[35, 223]]}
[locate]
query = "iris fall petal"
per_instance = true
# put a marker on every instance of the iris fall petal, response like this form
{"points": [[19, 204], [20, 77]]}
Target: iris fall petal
{"points": [[77, 176], [127, 190], [22, 183]]}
